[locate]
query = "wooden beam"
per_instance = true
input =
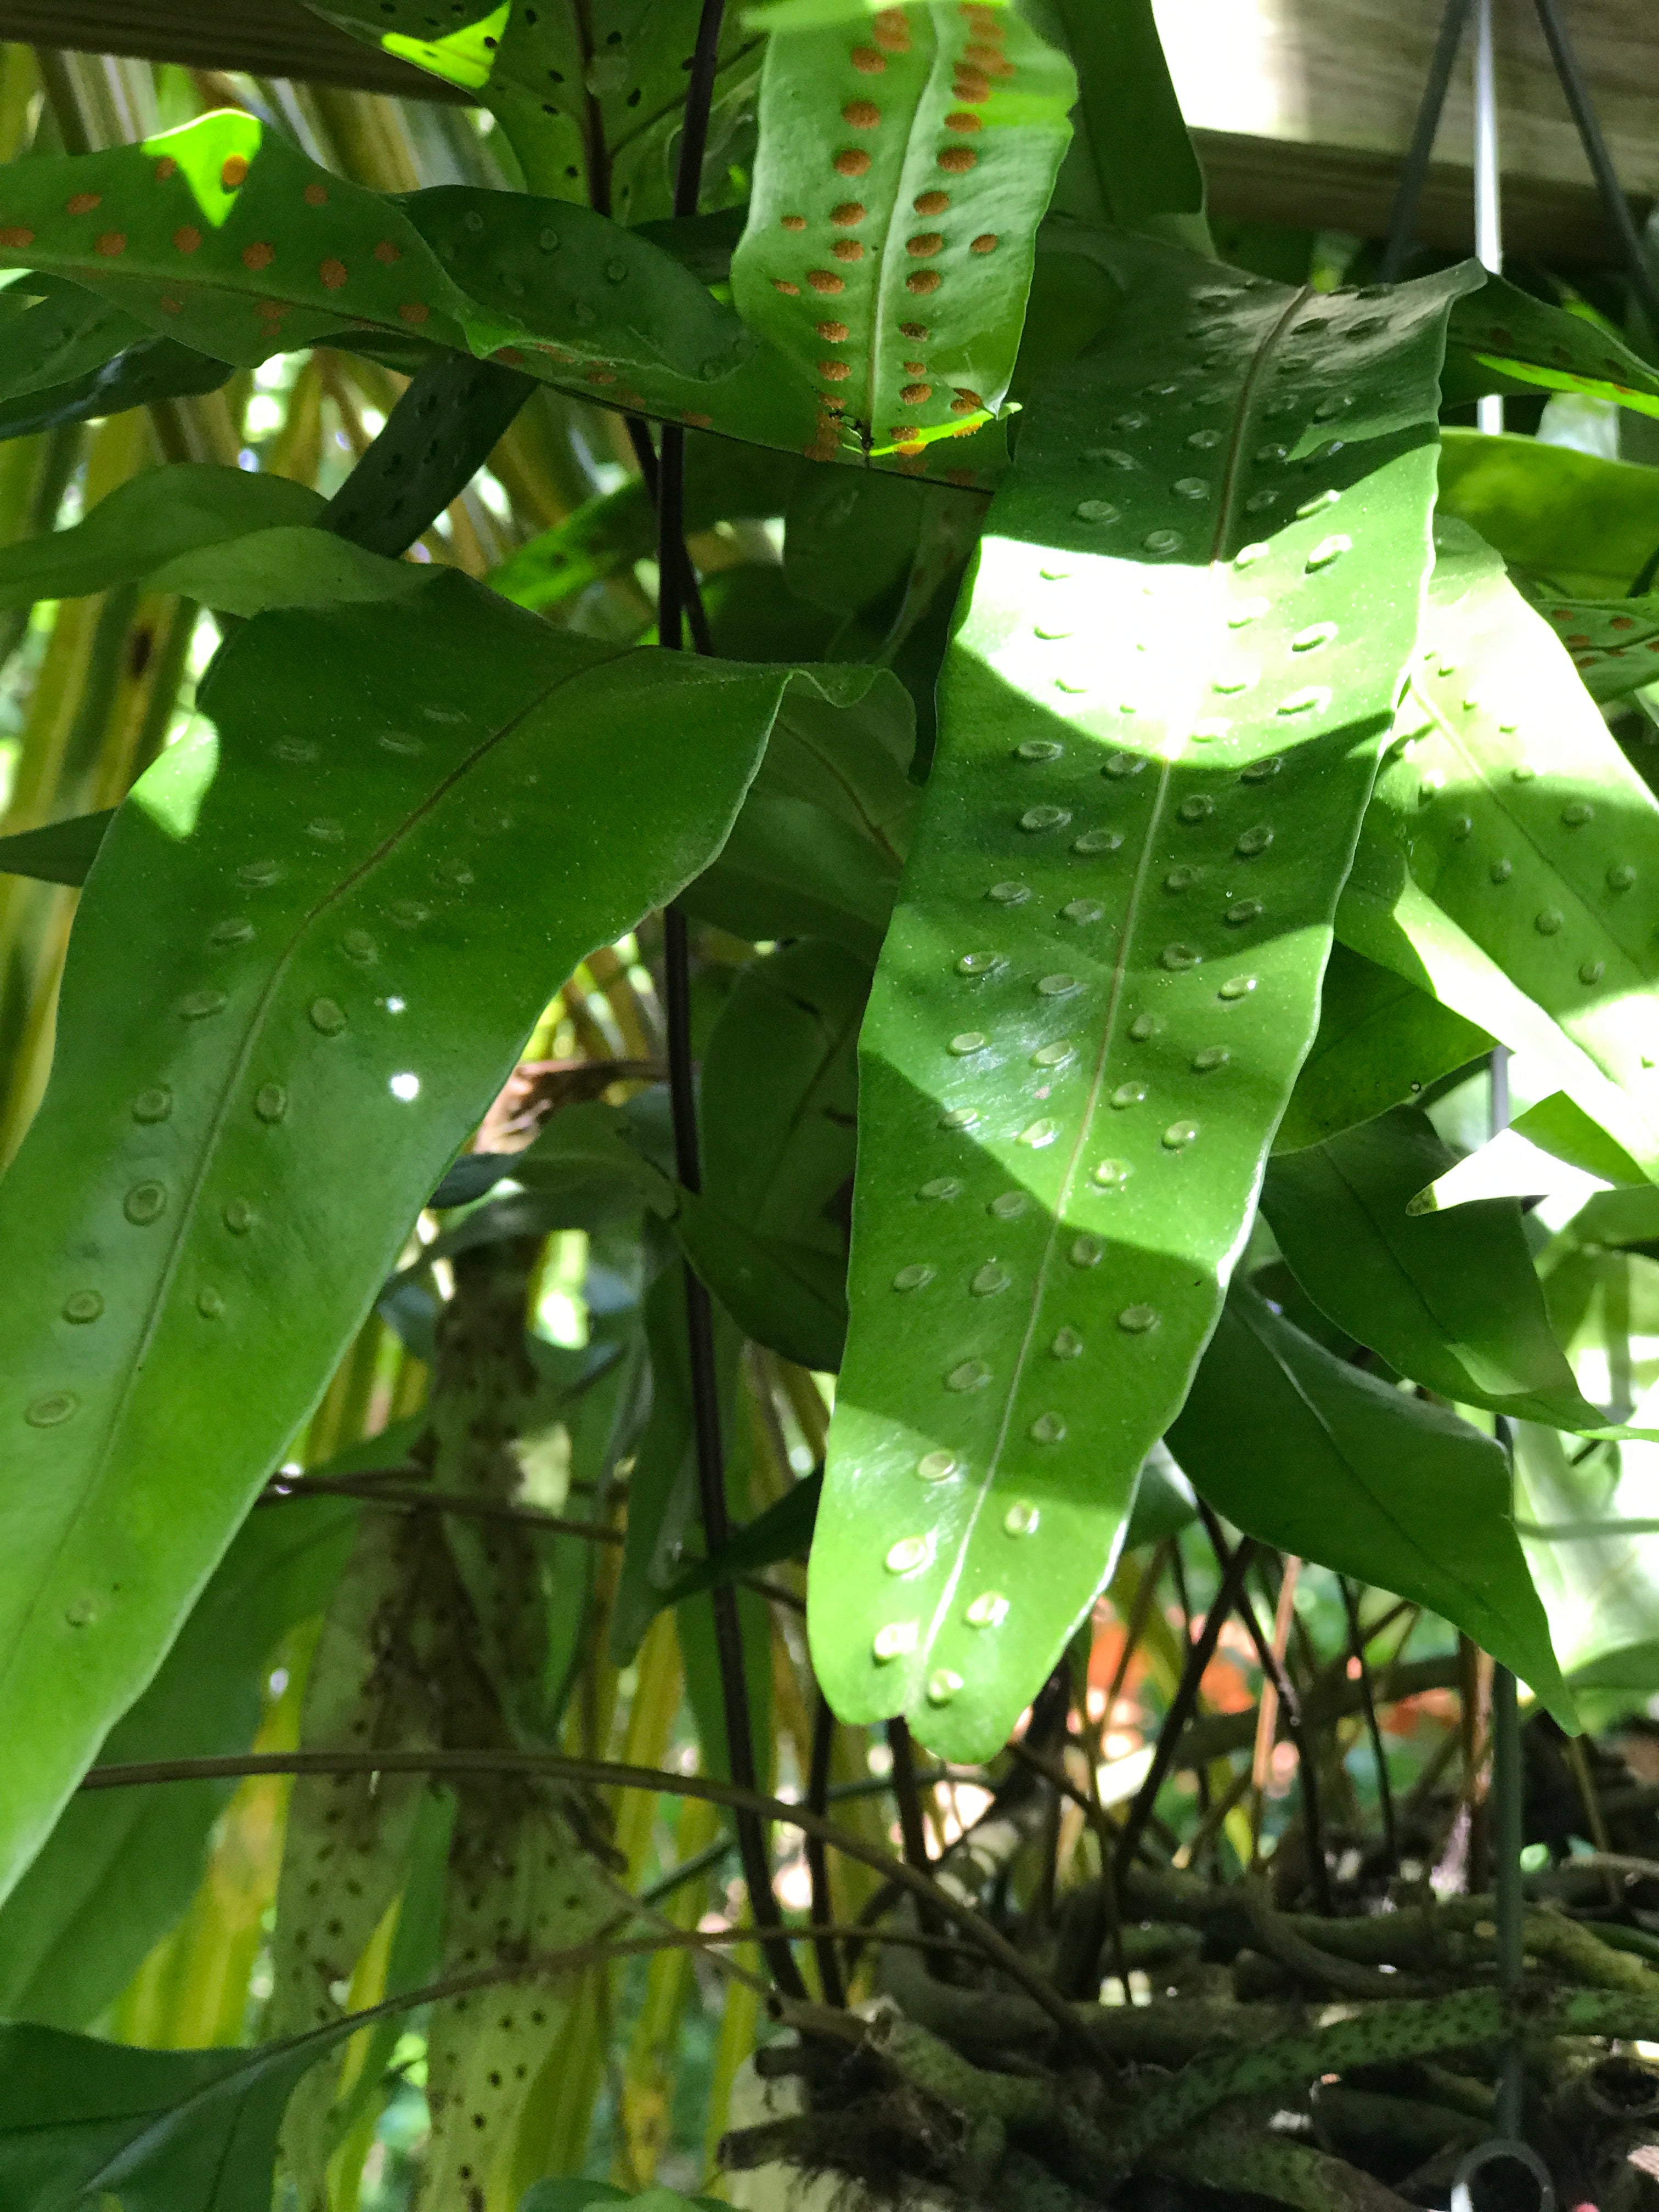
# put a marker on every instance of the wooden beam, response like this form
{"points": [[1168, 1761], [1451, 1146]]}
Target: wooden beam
{"points": [[1338, 188], [265, 37]]}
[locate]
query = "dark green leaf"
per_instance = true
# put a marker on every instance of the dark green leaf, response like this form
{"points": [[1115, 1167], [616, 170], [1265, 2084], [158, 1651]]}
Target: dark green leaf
{"points": [[62, 853], [1450, 1299], [784, 1531], [1502, 339], [1104, 972], [285, 1006], [1142, 154], [1335, 1467], [590, 98], [1381, 1043], [146, 522], [724, 482], [118, 1870], [164, 2131]]}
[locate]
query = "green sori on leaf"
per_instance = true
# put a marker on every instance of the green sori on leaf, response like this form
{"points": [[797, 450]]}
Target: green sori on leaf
{"points": [[1526, 826], [903, 165], [1160, 722], [323, 957]]}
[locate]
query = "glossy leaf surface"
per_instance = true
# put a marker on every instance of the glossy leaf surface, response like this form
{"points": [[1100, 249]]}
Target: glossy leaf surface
{"points": [[1381, 1043], [1450, 1300], [179, 508], [164, 2131], [1334, 1465], [589, 93], [1584, 525], [903, 167], [1138, 142], [62, 853], [1502, 339], [1160, 727], [1529, 830], [118, 1870], [223, 234], [251, 1098]]}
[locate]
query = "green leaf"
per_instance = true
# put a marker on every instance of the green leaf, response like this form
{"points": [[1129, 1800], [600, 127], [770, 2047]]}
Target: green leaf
{"points": [[590, 97], [784, 1531], [1612, 641], [1387, 917], [1339, 1468], [62, 853], [819, 843], [53, 332], [1502, 339], [119, 1869], [286, 1004], [1599, 1582], [148, 521], [1381, 1043], [724, 482], [780, 1105], [1580, 525], [1526, 826], [289, 566], [164, 2131], [223, 234], [1577, 532], [569, 2195], [1139, 146], [848, 538], [1103, 971], [898, 188], [1450, 1300]]}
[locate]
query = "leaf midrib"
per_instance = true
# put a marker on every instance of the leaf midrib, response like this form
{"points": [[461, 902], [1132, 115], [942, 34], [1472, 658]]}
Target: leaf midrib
{"points": [[1225, 514], [208, 1153]]}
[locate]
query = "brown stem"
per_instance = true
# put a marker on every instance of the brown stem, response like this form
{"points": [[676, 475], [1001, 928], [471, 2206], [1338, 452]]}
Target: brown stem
{"points": [[609, 1774], [1199, 1656]]}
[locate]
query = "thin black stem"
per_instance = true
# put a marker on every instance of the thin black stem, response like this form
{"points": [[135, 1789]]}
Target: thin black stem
{"points": [[1200, 1652], [1409, 192], [1357, 1641], [817, 1858], [1613, 202], [1290, 1704], [682, 1094], [690, 591], [412, 1497], [907, 1796]]}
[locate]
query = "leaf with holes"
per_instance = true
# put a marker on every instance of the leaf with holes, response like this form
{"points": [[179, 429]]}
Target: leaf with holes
{"points": [[901, 172], [1339, 1468], [1502, 339], [288, 1000], [1160, 723], [1528, 828], [149, 520], [1450, 1300], [589, 93]]}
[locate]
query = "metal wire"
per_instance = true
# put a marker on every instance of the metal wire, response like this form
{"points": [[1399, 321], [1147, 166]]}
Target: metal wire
{"points": [[1409, 193], [1617, 207]]}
